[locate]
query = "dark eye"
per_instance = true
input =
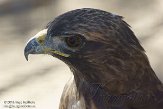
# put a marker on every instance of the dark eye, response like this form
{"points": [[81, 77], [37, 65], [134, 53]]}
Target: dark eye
{"points": [[74, 41]]}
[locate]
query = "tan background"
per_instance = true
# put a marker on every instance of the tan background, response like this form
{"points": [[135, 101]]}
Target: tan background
{"points": [[42, 78]]}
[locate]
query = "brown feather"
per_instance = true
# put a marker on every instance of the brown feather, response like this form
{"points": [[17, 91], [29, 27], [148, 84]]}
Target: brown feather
{"points": [[112, 70]]}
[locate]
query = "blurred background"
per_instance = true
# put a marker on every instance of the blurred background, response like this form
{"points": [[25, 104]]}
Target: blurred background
{"points": [[42, 78]]}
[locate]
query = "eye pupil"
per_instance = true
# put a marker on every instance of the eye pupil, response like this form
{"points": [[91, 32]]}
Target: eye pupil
{"points": [[73, 41]]}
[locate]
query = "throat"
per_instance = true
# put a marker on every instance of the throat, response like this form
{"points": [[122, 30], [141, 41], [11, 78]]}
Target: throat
{"points": [[94, 94], [113, 84], [109, 88], [112, 93]]}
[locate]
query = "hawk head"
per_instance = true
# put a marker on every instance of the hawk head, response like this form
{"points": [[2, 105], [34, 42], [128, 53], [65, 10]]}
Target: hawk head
{"points": [[98, 46]]}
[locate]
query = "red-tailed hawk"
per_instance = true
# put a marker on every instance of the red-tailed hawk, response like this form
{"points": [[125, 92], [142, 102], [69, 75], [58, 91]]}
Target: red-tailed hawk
{"points": [[110, 67]]}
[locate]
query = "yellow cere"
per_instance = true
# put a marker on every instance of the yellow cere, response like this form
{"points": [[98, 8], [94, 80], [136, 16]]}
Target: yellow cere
{"points": [[40, 37]]}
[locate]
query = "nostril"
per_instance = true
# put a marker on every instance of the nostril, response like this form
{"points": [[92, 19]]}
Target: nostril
{"points": [[40, 41]]}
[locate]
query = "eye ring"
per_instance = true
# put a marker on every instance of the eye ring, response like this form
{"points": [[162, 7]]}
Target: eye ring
{"points": [[74, 41]]}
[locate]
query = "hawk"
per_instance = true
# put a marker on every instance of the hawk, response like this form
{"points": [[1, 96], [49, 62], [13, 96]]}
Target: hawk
{"points": [[110, 68]]}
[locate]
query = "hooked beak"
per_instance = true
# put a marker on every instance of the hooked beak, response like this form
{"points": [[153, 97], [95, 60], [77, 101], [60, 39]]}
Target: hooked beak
{"points": [[36, 45]]}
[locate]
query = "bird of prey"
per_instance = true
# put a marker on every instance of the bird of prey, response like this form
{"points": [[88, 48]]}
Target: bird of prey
{"points": [[110, 68]]}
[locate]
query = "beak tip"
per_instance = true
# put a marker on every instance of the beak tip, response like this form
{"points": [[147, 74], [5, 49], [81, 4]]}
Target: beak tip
{"points": [[26, 56], [29, 48]]}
